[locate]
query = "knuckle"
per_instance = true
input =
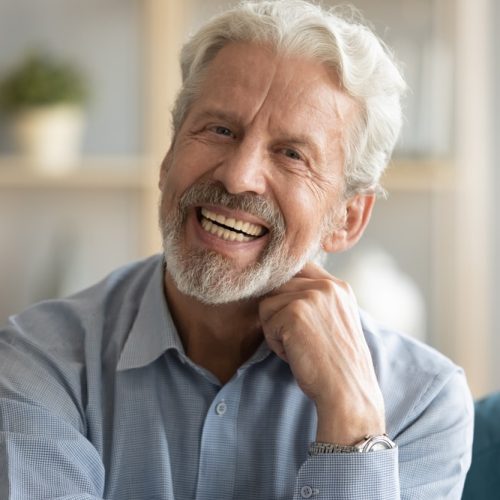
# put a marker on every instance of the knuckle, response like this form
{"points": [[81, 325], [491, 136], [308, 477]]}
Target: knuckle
{"points": [[345, 287], [313, 295], [328, 286], [296, 309]]}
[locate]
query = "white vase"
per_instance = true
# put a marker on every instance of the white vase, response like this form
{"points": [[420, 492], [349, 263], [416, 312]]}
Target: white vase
{"points": [[49, 138]]}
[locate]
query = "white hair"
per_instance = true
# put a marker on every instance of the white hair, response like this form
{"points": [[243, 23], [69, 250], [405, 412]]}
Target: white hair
{"points": [[364, 65]]}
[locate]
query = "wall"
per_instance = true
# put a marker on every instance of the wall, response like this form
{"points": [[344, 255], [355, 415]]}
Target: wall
{"points": [[49, 251]]}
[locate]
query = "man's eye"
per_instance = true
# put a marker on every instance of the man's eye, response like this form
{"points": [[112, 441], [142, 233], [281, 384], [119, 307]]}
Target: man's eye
{"points": [[219, 130], [292, 154]]}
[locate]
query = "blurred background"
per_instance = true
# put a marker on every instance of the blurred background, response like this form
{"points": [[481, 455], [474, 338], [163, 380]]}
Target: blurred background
{"points": [[86, 89]]}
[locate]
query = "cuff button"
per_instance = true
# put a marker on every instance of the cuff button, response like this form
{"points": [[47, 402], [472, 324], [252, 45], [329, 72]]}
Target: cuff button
{"points": [[306, 492]]}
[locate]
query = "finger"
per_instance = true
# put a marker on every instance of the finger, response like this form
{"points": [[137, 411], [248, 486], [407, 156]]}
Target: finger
{"points": [[317, 290], [313, 271], [296, 283], [272, 305], [320, 293], [275, 344]]}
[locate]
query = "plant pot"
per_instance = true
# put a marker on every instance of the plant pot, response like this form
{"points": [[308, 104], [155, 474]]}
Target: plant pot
{"points": [[49, 138]]}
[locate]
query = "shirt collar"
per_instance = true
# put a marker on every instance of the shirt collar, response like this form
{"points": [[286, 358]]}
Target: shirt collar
{"points": [[153, 331]]}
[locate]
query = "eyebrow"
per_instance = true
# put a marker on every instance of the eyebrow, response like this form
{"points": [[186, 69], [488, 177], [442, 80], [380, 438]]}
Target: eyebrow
{"points": [[218, 114]]}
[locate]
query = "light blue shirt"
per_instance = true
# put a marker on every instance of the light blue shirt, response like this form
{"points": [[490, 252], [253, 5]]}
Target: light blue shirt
{"points": [[98, 400]]}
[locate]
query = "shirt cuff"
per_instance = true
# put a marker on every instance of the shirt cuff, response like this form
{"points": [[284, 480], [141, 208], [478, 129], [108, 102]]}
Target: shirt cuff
{"points": [[363, 476]]}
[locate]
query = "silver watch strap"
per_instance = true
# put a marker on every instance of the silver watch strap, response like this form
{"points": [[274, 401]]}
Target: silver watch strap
{"points": [[318, 448], [367, 444]]}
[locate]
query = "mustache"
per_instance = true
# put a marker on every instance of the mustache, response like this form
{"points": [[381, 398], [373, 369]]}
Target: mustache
{"points": [[214, 193]]}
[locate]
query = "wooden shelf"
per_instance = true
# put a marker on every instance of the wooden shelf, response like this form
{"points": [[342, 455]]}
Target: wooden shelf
{"points": [[419, 175], [93, 173]]}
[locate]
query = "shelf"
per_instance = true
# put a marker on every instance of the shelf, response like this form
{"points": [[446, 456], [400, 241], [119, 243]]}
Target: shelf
{"points": [[419, 175], [93, 173]]}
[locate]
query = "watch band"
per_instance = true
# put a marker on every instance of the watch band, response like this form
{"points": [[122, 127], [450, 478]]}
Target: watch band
{"points": [[367, 444]]}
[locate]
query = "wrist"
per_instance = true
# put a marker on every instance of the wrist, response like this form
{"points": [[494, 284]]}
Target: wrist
{"points": [[347, 428]]}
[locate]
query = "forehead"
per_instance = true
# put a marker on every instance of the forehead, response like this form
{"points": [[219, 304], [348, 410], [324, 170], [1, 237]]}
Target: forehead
{"points": [[289, 91]]}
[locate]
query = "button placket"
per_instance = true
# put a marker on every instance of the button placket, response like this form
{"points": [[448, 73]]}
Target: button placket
{"points": [[218, 448]]}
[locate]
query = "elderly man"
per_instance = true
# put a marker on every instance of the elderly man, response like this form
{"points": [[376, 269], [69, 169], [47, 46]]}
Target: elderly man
{"points": [[233, 366]]}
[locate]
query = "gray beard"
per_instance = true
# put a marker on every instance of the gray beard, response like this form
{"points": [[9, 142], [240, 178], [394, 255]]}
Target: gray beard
{"points": [[213, 278]]}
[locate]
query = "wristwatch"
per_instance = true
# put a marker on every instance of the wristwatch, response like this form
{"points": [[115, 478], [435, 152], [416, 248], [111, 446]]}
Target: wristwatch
{"points": [[368, 443]]}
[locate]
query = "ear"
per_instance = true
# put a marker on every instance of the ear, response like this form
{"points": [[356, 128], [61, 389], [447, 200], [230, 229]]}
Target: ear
{"points": [[356, 215], [165, 164]]}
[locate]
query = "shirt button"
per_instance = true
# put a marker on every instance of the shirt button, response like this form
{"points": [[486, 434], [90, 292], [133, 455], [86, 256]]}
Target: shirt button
{"points": [[306, 492], [221, 408]]}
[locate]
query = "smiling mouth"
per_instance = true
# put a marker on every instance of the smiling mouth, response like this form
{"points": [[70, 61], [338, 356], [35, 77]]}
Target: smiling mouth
{"points": [[227, 228]]}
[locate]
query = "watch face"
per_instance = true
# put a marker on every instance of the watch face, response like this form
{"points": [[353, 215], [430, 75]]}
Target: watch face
{"points": [[379, 446], [379, 443]]}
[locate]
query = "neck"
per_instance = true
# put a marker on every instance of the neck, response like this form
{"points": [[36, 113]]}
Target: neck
{"points": [[219, 338]]}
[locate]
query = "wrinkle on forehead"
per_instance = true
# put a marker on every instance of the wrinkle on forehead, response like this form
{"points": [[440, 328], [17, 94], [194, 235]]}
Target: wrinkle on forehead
{"points": [[240, 80], [226, 73]]}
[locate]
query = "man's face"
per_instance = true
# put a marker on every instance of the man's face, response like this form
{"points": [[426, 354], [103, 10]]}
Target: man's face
{"points": [[254, 178]]}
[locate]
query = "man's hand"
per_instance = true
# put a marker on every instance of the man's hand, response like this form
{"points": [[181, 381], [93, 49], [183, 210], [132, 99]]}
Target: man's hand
{"points": [[312, 322]]}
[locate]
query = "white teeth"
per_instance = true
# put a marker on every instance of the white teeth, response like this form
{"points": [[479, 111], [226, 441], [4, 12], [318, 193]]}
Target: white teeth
{"points": [[225, 234], [241, 237], [238, 225]]}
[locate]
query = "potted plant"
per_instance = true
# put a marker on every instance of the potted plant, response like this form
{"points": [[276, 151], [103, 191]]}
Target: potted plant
{"points": [[45, 99]]}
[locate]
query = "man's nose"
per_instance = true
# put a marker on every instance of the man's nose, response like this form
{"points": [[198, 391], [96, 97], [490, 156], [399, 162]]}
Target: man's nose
{"points": [[243, 169]]}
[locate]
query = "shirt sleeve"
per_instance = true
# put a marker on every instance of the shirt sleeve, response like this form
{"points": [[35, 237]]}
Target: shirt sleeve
{"points": [[44, 453], [431, 460]]}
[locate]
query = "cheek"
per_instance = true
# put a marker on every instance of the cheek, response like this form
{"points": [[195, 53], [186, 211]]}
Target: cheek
{"points": [[177, 179], [189, 165], [302, 214]]}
